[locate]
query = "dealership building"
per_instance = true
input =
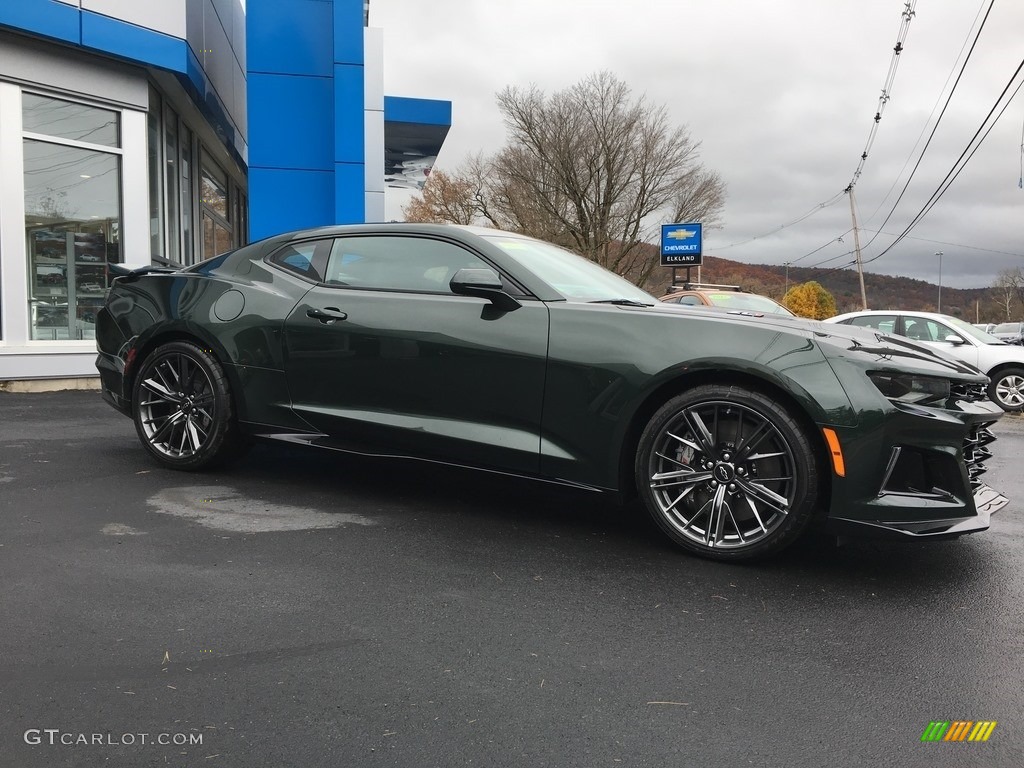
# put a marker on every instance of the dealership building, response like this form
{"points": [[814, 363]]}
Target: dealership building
{"points": [[167, 131]]}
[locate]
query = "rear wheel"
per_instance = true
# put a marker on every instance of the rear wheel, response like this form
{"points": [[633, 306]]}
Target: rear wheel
{"points": [[182, 408], [727, 473], [1007, 389]]}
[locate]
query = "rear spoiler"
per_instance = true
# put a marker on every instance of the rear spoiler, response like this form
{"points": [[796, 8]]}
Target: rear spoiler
{"points": [[130, 275]]}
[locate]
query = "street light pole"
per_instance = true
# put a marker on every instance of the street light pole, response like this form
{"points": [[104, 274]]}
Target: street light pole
{"points": [[939, 254]]}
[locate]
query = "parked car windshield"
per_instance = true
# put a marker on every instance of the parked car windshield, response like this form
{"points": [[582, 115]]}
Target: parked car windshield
{"points": [[573, 276], [1007, 328], [750, 301], [975, 333]]}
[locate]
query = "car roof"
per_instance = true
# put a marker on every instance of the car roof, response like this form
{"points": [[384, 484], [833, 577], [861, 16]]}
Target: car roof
{"points": [[866, 312], [707, 292]]}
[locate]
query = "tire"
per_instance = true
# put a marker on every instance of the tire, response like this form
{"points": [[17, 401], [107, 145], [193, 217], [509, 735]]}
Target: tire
{"points": [[727, 473], [1007, 389], [182, 408]]}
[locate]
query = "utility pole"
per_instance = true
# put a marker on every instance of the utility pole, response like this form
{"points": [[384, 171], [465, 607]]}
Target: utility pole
{"points": [[856, 249], [939, 254]]}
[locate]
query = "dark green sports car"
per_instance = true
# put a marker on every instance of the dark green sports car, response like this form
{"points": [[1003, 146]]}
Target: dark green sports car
{"points": [[487, 349]]}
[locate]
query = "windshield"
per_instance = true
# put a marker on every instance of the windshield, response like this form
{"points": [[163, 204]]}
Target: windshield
{"points": [[576, 278], [1007, 328], [969, 330], [751, 301]]}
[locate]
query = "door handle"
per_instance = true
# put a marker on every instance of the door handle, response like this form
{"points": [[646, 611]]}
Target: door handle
{"points": [[327, 315]]}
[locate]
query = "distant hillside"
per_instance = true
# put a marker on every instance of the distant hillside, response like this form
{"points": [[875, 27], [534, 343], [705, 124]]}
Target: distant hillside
{"points": [[883, 292]]}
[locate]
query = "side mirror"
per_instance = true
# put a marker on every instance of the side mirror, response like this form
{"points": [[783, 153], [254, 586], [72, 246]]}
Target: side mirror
{"points": [[484, 284], [954, 340]]}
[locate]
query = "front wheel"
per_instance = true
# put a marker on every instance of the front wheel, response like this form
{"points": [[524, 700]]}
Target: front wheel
{"points": [[1007, 389], [182, 408], [727, 473]]}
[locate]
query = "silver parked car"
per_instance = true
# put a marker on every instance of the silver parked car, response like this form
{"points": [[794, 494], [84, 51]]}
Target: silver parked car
{"points": [[1003, 363], [1011, 333]]}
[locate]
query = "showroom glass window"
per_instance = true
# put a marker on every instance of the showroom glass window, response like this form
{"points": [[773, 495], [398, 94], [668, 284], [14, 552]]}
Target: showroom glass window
{"points": [[196, 194], [72, 212], [213, 186]]}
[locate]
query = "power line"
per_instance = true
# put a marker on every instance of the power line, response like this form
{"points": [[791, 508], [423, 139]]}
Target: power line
{"points": [[890, 77], [954, 245], [906, 17], [961, 162], [934, 128], [819, 207], [935, 106]]}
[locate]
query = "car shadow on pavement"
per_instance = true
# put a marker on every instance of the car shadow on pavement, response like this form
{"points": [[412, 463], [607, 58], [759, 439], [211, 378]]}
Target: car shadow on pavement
{"points": [[412, 489]]}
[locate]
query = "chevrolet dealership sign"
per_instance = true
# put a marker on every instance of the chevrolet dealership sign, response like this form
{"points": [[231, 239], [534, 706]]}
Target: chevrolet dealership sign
{"points": [[681, 245]]}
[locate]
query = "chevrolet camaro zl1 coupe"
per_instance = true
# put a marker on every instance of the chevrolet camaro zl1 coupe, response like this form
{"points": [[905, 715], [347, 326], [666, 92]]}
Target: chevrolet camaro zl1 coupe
{"points": [[487, 349]]}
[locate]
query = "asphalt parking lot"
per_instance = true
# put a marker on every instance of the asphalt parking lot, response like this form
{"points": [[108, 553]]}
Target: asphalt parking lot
{"points": [[310, 609]]}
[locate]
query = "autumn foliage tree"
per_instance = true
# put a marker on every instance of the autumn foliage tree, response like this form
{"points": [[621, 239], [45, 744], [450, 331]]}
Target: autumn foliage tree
{"points": [[810, 300], [591, 168], [445, 198]]}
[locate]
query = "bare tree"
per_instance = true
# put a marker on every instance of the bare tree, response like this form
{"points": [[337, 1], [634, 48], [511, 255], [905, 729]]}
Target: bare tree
{"points": [[1009, 289], [590, 168], [598, 165]]}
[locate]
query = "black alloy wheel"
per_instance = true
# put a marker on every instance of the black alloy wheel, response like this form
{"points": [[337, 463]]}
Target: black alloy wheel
{"points": [[182, 408], [727, 473]]}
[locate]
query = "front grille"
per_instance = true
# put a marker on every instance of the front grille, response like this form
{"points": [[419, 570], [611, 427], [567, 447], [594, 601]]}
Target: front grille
{"points": [[964, 390], [976, 451]]}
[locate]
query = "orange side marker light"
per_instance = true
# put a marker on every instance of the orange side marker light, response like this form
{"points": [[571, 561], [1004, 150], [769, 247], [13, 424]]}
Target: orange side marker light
{"points": [[838, 465]]}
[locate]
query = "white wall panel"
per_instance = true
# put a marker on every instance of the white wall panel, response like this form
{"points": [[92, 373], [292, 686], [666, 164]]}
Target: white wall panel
{"points": [[194, 27], [13, 264], [374, 207], [167, 16], [373, 127], [373, 68], [135, 246], [219, 61], [40, 64]]}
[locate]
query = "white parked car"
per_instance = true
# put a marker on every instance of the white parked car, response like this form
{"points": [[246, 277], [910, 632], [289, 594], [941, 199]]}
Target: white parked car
{"points": [[1003, 363], [1011, 333]]}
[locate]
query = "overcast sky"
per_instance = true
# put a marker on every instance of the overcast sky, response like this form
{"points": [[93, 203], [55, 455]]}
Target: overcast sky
{"points": [[781, 94]]}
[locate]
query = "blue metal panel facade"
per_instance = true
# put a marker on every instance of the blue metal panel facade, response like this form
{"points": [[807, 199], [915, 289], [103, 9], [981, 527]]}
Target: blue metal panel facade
{"points": [[305, 112], [421, 111], [284, 199], [293, 132], [304, 77], [43, 17], [134, 43], [349, 125], [290, 37]]}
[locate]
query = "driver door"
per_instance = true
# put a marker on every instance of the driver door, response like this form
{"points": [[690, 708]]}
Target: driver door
{"points": [[383, 358]]}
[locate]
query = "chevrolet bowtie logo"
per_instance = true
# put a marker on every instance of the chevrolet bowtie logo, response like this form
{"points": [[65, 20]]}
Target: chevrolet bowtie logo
{"points": [[682, 234]]}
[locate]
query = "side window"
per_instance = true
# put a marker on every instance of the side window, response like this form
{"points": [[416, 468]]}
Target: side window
{"points": [[920, 328], [304, 259], [394, 263], [939, 332], [883, 323], [690, 300]]}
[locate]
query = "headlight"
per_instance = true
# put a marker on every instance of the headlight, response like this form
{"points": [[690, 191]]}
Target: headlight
{"points": [[908, 388]]}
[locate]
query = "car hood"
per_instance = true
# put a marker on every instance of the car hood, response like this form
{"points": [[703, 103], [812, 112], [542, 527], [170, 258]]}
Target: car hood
{"points": [[891, 352]]}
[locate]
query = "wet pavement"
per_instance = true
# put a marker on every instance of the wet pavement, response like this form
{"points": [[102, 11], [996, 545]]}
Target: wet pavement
{"points": [[308, 609]]}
